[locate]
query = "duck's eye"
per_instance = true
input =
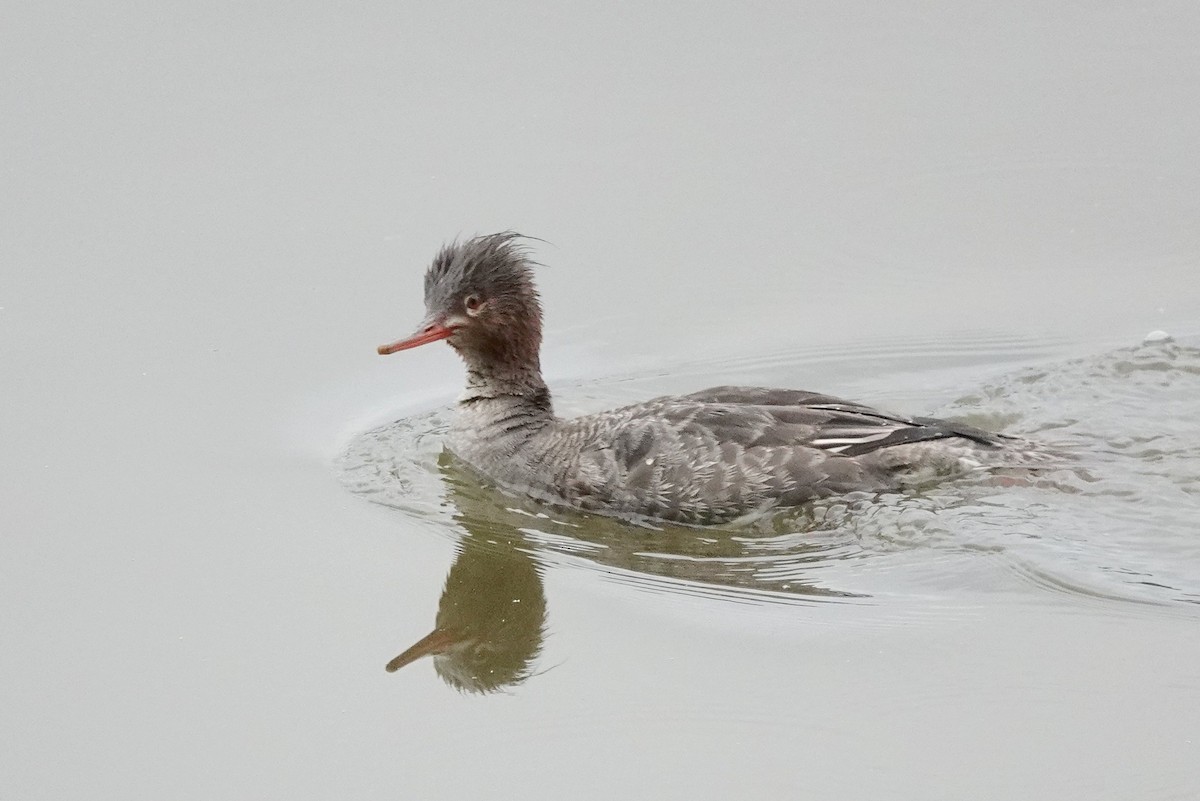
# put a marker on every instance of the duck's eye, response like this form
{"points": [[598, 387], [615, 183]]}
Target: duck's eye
{"points": [[472, 302]]}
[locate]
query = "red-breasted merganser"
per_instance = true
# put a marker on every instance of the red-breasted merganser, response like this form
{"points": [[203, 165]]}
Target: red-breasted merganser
{"points": [[708, 457]]}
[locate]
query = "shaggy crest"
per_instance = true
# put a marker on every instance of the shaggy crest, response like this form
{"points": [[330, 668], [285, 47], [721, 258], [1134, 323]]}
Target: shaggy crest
{"points": [[495, 264]]}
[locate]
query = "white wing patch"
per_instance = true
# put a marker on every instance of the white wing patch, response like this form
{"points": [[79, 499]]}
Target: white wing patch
{"points": [[840, 443]]}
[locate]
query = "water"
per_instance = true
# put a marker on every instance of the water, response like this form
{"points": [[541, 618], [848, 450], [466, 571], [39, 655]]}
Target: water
{"points": [[214, 213], [1116, 522], [1109, 535]]}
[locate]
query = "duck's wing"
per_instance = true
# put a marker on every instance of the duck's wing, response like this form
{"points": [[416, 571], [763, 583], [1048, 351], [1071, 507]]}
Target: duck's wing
{"points": [[723, 451], [760, 417]]}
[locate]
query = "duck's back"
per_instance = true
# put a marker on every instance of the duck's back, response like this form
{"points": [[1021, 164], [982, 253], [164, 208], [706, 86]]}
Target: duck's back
{"points": [[727, 451]]}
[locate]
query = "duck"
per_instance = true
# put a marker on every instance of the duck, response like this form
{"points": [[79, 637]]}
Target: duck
{"points": [[704, 458]]}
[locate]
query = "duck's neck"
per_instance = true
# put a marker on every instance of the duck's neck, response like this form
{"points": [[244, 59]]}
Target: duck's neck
{"points": [[510, 386]]}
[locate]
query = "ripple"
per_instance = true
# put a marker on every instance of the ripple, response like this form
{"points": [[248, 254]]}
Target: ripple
{"points": [[1117, 525]]}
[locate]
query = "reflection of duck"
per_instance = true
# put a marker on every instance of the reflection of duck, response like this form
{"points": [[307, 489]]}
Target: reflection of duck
{"points": [[706, 457], [492, 614]]}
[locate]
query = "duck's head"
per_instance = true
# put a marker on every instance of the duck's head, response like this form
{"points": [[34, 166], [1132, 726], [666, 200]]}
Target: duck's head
{"points": [[480, 298]]}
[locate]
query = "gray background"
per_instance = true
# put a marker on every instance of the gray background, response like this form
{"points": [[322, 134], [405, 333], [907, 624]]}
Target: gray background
{"points": [[212, 213]]}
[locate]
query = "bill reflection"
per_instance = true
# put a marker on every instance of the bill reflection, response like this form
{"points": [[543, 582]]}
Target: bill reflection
{"points": [[492, 615]]}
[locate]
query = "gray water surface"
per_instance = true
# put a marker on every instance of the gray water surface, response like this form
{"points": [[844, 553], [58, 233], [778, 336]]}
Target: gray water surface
{"points": [[212, 213]]}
